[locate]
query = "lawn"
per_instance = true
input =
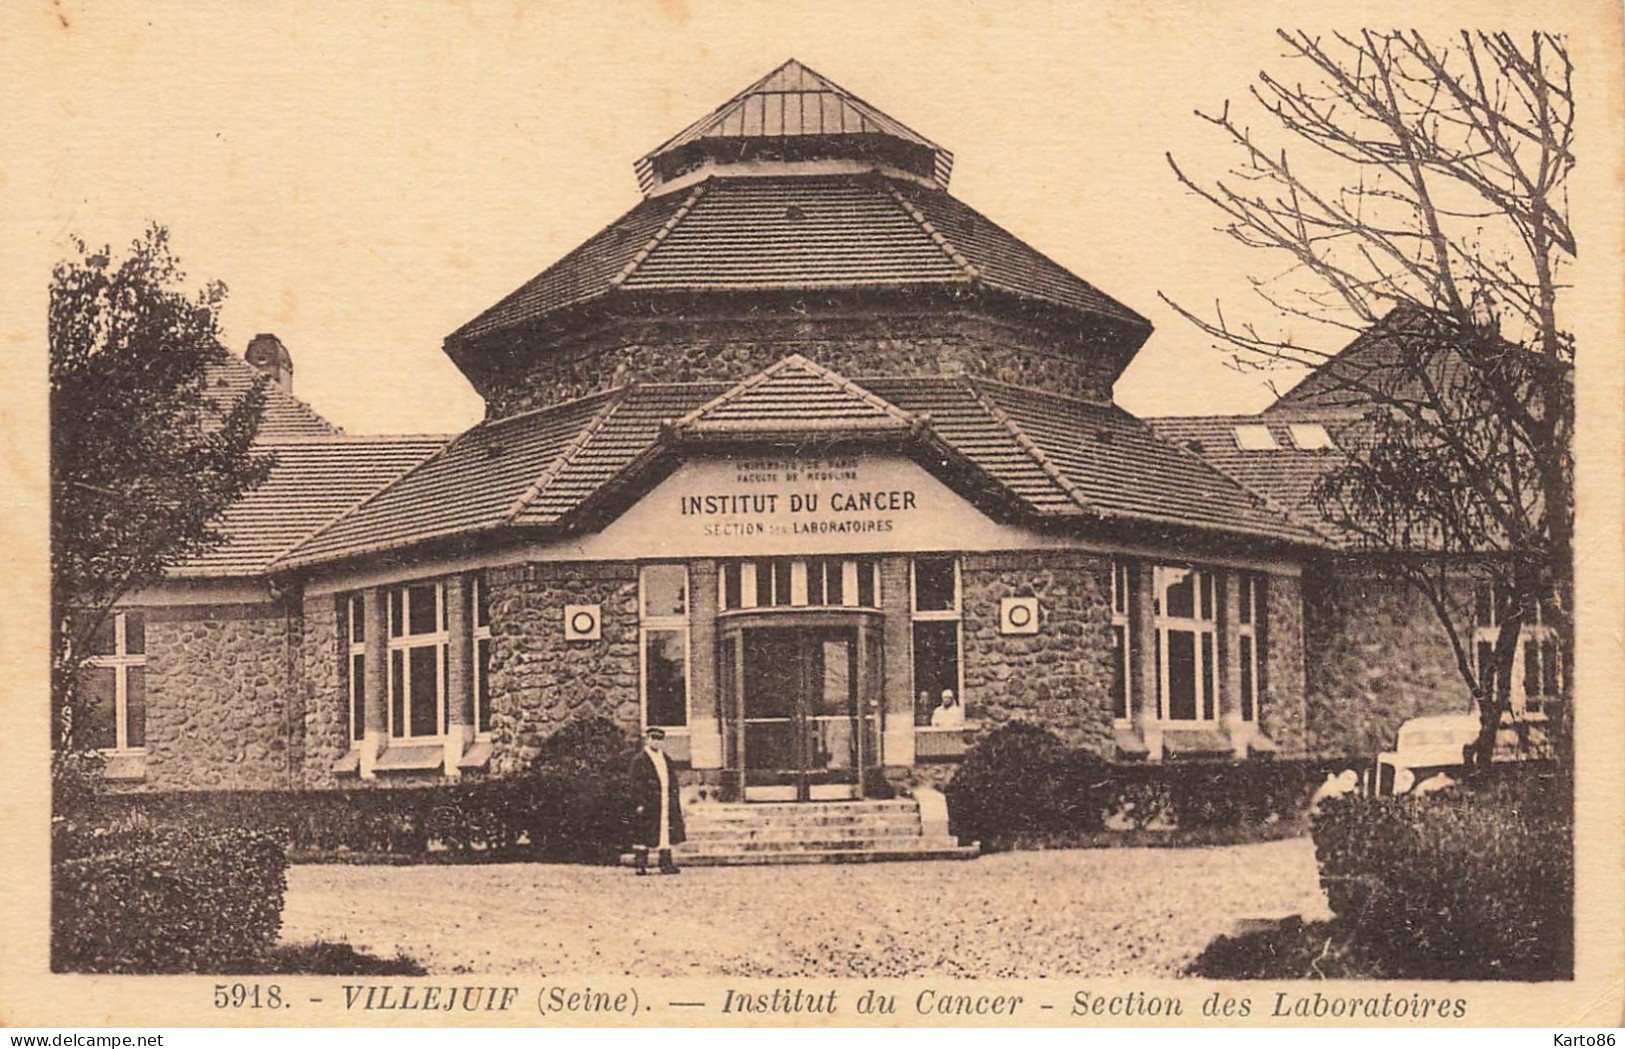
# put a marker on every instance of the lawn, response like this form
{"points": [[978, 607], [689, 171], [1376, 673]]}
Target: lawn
{"points": [[1084, 912]]}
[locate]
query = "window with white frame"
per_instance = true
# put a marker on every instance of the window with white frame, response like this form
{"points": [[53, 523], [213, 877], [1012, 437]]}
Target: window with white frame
{"points": [[939, 674], [1121, 688], [783, 582], [111, 712], [353, 611], [1536, 662], [1250, 637], [418, 639], [663, 629], [482, 657], [1185, 639]]}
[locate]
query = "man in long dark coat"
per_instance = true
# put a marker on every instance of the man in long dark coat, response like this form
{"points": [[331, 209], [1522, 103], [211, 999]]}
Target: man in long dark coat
{"points": [[657, 819]]}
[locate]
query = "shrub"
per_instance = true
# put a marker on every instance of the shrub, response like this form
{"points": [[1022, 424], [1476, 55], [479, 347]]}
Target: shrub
{"points": [[1021, 779], [76, 781], [326, 958], [1471, 883], [1020, 782], [1240, 793], [163, 900], [569, 805], [577, 792], [1292, 950]]}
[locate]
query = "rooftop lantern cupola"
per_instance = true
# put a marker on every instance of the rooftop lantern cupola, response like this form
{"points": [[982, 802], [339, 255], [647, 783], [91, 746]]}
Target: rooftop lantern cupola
{"points": [[795, 218], [793, 121]]}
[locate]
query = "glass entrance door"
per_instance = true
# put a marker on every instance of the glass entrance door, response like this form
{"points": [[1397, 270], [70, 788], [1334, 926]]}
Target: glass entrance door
{"points": [[800, 717]]}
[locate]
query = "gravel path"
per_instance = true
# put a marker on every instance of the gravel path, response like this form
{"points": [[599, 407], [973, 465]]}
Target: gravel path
{"points": [[1090, 912]]}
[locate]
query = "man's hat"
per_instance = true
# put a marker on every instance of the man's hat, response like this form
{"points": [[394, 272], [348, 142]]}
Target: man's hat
{"points": [[656, 733]]}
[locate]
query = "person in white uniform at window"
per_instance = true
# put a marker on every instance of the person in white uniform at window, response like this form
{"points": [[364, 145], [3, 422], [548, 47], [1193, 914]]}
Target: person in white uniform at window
{"points": [[950, 713]]}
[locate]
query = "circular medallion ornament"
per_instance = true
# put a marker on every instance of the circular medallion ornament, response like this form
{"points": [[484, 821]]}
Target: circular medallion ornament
{"points": [[582, 623], [1018, 615]]}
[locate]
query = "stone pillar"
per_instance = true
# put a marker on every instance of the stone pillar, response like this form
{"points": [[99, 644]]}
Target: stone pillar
{"points": [[1142, 627], [1228, 584], [374, 737], [459, 672], [897, 634], [704, 719]]}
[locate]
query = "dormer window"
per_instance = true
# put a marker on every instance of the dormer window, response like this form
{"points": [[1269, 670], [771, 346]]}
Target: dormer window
{"points": [[1310, 437], [1254, 438]]}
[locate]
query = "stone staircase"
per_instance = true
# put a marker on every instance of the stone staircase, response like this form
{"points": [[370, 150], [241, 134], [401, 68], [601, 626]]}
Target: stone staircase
{"points": [[765, 833]]}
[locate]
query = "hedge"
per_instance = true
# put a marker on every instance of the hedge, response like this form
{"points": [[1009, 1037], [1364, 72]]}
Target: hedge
{"points": [[1476, 882], [163, 900], [1020, 780], [570, 805]]}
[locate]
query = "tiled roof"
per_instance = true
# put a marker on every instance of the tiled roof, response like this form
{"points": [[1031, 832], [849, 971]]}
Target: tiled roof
{"points": [[313, 480], [1004, 261], [961, 419], [793, 102], [1374, 360], [1049, 455], [1116, 465], [585, 273], [1285, 476], [797, 233], [626, 435], [285, 415], [795, 394], [479, 481]]}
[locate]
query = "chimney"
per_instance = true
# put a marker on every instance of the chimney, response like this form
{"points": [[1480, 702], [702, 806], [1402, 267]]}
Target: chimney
{"points": [[272, 360]]}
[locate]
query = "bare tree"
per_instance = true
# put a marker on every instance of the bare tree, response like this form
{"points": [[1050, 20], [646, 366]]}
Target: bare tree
{"points": [[1424, 208]]}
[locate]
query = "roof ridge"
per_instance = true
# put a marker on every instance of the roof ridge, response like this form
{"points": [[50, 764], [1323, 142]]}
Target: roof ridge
{"points": [[551, 472], [232, 359], [1052, 394], [972, 273], [1028, 445], [1152, 420], [295, 440], [659, 235], [486, 425]]}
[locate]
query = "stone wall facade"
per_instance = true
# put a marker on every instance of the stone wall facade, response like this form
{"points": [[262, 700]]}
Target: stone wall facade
{"points": [[1282, 713], [1060, 677], [218, 697], [326, 716], [731, 350], [539, 681], [255, 697], [1377, 657]]}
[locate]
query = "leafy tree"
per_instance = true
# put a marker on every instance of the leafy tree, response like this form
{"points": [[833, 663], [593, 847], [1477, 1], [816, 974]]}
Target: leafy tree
{"points": [[1414, 192], [143, 455]]}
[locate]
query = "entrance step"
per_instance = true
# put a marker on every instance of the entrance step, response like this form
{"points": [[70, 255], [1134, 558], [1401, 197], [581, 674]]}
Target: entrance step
{"points": [[790, 856], [737, 834]]}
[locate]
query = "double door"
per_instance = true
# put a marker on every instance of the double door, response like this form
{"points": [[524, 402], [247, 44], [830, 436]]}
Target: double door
{"points": [[805, 709]]}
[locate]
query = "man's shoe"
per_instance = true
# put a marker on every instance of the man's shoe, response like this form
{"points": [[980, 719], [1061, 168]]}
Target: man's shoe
{"points": [[671, 870]]}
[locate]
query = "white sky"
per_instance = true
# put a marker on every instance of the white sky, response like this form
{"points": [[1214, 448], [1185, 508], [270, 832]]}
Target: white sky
{"points": [[365, 179]]}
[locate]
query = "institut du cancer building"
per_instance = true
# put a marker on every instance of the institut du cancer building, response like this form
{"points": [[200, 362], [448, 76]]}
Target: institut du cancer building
{"points": [[794, 447]]}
